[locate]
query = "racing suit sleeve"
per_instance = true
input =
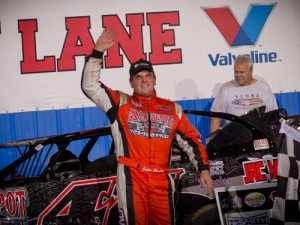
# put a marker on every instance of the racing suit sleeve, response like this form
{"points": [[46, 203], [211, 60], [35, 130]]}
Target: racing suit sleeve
{"points": [[102, 96], [188, 139]]}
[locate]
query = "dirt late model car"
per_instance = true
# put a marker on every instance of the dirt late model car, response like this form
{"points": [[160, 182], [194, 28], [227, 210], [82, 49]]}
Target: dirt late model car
{"points": [[50, 184]]}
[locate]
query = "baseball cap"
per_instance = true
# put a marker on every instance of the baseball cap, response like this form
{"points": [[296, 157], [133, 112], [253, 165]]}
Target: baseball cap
{"points": [[140, 65]]}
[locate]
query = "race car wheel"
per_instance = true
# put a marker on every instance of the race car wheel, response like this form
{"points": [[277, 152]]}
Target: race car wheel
{"points": [[206, 215]]}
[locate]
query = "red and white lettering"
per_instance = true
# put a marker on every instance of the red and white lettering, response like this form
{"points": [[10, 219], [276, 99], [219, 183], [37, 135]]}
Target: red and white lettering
{"points": [[30, 63], [253, 170], [79, 42], [13, 202]]}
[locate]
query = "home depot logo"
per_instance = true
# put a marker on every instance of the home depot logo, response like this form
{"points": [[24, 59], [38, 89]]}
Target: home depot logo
{"points": [[234, 33]]}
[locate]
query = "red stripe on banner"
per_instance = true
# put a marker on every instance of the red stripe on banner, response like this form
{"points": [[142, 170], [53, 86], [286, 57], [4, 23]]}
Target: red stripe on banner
{"points": [[225, 22]]}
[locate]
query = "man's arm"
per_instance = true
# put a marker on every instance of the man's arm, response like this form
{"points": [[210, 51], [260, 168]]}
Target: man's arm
{"points": [[91, 73], [269, 98], [217, 106], [188, 139], [215, 124]]}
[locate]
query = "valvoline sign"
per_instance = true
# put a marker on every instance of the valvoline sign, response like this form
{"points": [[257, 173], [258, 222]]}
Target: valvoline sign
{"points": [[237, 34]]}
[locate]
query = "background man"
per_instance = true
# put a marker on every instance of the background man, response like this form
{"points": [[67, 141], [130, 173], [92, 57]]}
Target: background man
{"points": [[143, 127], [242, 94]]}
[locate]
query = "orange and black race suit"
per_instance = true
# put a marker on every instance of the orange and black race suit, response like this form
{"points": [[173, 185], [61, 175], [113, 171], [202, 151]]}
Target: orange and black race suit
{"points": [[143, 129]]}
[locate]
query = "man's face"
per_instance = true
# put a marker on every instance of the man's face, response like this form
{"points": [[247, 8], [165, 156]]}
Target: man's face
{"points": [[143, 83], [242, 74]]}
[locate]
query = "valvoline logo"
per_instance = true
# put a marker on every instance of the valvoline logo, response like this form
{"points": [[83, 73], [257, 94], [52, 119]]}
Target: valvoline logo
{"points": [[248, 32]]}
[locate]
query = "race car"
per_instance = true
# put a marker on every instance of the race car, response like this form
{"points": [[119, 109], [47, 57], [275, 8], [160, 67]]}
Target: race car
{"points": [[54, 180]]}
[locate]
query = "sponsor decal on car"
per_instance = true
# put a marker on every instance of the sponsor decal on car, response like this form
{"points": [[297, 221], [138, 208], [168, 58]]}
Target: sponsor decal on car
{"points": [[261, 219], [106, 198], [14, 202], [219, 181], [216, 168], [255, 199], [260, 170], [261, 144]]}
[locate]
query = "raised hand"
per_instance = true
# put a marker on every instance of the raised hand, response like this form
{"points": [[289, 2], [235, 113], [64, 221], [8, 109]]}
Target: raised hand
{"points": [[106, 40]]}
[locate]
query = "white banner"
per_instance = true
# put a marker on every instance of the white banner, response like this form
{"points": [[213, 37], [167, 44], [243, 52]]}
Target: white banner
{"points": [[192, 45]]}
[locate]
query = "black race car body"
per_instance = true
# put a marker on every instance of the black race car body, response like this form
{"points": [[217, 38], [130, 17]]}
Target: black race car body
{"points": [[50, 184]]}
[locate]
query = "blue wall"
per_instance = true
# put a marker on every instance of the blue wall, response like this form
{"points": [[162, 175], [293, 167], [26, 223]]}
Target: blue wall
{"points": [[26, 125]]}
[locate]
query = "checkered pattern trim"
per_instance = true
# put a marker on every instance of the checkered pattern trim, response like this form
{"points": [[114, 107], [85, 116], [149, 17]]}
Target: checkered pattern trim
{"points": [[286, 208]]}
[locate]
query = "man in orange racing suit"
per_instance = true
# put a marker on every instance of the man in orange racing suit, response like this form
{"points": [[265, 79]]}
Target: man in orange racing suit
{"points": [[143, 128]]}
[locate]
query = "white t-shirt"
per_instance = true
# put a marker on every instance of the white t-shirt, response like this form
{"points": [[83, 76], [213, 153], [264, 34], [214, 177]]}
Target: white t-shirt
{"points": [[237, 100]]}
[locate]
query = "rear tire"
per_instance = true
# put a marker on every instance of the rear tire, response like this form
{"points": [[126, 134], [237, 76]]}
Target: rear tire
{"points": [[206, 215]]}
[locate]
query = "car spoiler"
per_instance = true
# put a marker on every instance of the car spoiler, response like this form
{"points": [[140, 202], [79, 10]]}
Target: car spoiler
{"points": [[250, 122], [250, 126], [37, 144], [56, 138]]}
